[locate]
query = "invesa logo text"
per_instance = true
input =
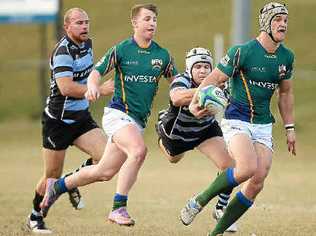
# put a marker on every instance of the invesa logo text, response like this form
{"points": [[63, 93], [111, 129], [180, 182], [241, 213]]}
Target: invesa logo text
{"points": [[140, 78]]}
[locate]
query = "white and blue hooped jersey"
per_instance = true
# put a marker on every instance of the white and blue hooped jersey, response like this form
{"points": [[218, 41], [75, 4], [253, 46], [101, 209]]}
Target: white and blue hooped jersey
{"points": [[76, 62]]}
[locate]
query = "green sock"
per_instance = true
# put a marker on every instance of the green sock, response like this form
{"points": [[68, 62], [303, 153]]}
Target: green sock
{"points": [[235, 209], [118, 204], [223, 183], [119, 201]]}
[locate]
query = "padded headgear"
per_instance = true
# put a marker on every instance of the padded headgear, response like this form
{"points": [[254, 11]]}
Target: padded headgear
{"points": [[268, 12], [196, 55]]}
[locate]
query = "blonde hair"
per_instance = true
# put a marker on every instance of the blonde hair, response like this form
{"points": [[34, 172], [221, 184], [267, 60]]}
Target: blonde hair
{"points": [[136, 9], [69, 13]]}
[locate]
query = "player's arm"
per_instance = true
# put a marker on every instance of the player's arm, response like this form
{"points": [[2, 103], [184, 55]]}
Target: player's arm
{"points": [[170, 72], [93, 84], [107, 88], [62, 63], [70, 88], [217, 78], [286, 109], [104, 66], [181, 97]]}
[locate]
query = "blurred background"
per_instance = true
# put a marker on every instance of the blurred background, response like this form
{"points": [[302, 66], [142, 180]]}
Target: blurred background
{"points": [[182, 24]]}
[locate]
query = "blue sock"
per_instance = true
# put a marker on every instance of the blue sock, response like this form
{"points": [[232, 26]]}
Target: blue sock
{"points": [[60, 186], [118, 197], [119, 201], [230, 177]]}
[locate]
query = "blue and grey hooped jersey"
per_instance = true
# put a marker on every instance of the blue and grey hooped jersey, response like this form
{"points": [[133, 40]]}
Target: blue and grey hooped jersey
{"points": [[76, 62], [178, 122]]}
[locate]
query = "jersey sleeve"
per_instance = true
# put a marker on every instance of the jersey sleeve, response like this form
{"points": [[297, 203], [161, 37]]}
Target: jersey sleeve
{"points": [[179, 82], [170, 69], [62, 63], [290, 67], [230, 61], [107, 62]]}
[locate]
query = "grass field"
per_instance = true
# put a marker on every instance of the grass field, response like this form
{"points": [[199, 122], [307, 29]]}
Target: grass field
{"points": [[286, 207]]}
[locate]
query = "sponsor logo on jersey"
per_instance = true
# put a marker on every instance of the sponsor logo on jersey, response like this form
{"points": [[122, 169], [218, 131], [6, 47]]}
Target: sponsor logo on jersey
{"points": [[156, 63], [282, 71], [83, 73], [258, 69], [143, 51], [224, 61], [132, 63], [264, 84], [271, 56], [140, 78]]}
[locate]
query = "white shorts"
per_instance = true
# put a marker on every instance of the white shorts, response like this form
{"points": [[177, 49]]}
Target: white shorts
{"points": [[261, 133], [113, 120]]}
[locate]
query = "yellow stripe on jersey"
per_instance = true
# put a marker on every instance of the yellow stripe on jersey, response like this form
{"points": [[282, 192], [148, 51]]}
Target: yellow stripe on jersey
{"points": [[248, 96], [112, 62], [123, 90]]}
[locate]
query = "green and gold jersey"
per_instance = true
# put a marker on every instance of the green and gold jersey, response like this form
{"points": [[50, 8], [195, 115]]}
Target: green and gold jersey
{"points": [[137, 74], [254, 76]]}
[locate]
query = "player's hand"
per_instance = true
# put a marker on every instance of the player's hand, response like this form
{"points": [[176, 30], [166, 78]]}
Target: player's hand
{"points": [[291, 139], [194, 107], [92, 93], [107, 88], [196, 110]]}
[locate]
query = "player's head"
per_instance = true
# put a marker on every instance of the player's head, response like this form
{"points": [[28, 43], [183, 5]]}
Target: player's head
{"points": [[144, 20], [273, 20], [199, 63], [76, 25]]}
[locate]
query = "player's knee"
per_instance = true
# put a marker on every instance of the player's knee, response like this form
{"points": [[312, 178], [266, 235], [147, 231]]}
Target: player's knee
{"points": [[246, 172], [102, 176], [223, 165], [105, 177], [255, 188], [139, 154]]}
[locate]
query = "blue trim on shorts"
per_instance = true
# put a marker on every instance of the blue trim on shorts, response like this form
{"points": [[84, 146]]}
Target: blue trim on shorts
{"points": [[117, 103], [237, 111], [231, 178], [242, 199]]}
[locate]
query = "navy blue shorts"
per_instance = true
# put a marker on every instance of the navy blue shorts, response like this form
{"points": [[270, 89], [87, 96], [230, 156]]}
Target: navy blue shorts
{"points": [[176, 147], [58, 135]]}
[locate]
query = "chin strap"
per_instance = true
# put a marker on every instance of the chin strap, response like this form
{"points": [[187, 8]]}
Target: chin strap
{"points": [[270, 34]]}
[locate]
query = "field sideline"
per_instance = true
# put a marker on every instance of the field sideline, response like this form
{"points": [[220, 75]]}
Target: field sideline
{"points": [[286, 207]]}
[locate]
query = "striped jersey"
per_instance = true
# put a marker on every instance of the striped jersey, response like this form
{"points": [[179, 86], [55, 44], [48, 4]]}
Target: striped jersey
{"points": [[254, 76], [137, 74], [76, 62], [179, 123]]}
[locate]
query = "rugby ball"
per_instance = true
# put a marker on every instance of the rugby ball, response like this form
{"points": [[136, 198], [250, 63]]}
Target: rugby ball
{"points": [[212, 98]]}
